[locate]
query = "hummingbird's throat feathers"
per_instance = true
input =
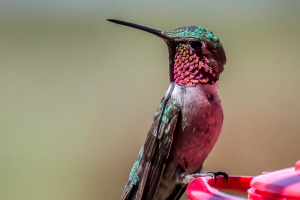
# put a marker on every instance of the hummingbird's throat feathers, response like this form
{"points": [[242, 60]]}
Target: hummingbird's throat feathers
{"points": [[191, 68]]}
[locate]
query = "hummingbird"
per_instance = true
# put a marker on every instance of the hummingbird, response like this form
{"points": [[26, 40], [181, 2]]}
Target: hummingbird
{"points": [[188, 121]]}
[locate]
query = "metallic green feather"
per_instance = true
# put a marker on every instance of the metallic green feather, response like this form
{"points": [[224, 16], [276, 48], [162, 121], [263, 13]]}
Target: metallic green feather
{"points": [[196, 32]]}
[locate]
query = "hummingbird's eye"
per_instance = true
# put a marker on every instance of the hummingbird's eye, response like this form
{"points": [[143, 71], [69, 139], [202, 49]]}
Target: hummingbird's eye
{"points": [[196, 45]]}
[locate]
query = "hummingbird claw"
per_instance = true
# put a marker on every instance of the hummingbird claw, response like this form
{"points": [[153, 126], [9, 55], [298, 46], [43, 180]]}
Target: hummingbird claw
{"points": [[189, 178], [219, 173]]}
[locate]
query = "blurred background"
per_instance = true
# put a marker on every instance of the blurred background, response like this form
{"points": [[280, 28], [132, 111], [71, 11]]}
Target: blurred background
{"points": [[78, 93]]}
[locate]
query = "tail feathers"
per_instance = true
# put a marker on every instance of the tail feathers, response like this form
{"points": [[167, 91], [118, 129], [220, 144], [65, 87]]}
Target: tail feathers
{"points": [[176, 195], [178, 192], [131, 194]]}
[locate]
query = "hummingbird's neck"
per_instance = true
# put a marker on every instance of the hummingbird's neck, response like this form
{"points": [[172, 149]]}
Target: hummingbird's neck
{"points": [[188, 68]]}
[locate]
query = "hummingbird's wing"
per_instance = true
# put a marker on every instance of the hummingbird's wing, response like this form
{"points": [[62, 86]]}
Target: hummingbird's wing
{"points": [[149, 166]]}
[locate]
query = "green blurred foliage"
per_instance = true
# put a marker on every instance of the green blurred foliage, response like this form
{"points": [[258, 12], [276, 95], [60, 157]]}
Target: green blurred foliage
{"points": [[78, 93]]}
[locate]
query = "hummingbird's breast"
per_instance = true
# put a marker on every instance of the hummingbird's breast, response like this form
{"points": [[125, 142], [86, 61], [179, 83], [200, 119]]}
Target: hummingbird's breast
{"points": [[198, 127], [197, 130]]}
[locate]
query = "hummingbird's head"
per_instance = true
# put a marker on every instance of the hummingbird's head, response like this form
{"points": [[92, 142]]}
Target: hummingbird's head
{"points": [[196, 55]]}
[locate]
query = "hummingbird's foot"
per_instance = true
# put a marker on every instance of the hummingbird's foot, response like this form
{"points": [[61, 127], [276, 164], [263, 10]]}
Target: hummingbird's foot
{"points": [[219, 173], [189, 178]]}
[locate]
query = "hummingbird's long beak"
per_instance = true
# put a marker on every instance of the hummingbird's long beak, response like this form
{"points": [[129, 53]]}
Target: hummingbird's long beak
{"points": [[143, 28]]}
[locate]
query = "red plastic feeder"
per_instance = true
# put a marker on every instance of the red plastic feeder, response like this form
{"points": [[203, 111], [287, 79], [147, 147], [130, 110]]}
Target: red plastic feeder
{"points": [[278, 185]]}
